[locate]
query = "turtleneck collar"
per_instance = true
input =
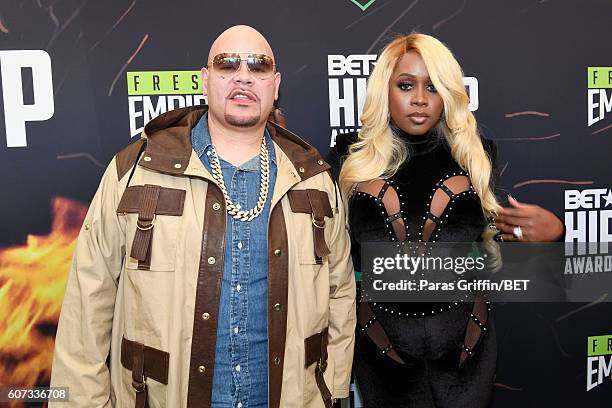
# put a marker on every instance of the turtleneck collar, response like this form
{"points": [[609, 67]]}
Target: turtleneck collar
{"points": [[419, 144]]}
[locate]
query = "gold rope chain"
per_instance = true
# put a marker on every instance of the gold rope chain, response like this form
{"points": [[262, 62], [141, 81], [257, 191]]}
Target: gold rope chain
{"points": [[263, 188]]}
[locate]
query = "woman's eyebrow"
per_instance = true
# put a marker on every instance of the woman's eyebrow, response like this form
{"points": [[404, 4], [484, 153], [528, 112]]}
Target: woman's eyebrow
{"points": [[412, 76]]}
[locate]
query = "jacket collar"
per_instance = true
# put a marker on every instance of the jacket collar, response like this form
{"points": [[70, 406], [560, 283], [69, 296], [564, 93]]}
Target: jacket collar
{"points": [[169, 146]]}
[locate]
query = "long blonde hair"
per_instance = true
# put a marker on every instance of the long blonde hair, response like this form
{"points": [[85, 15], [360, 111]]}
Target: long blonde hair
{"points": [[378, 152]]}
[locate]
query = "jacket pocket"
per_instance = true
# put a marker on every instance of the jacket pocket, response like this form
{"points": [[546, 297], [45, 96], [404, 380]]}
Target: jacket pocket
{"points": [[315, 204], [153, 223], [146, 373]]}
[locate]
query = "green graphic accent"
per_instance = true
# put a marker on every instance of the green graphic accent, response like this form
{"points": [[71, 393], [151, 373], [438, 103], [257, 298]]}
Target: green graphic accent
{"points": [[599, 77], [357, 276], [599, 345], [363, 7], [164, 83]]}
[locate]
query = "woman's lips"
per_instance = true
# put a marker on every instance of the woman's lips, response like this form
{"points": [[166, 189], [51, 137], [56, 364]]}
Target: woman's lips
{"points": [[418, 119]]}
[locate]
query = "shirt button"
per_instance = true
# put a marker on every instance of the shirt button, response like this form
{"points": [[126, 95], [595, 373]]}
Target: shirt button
{"points": [[205, 316], [208, 153], [277, 360], [236, 330], [216, 206], [211, 260], [320, 162], [238, 287], [237, 367], [302, 170], [277, 252], [201, 368], [178, 165], [239, 245], [278, 307], [239, 405], [146, 158]]}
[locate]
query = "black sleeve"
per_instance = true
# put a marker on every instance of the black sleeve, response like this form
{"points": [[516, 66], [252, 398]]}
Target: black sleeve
{"points": [[337, 153]]}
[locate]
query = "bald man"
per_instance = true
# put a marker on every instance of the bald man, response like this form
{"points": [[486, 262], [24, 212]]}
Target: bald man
{"points": [[213, 266]]}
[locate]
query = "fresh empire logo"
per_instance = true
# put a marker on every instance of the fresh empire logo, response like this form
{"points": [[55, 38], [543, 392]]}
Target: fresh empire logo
{"points": [[599, 360], [348, 76], [152, 93], [599, 93]]}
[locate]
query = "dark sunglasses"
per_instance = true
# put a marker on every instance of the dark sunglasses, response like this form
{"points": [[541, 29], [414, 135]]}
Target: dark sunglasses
{"points": [[228, 63]]}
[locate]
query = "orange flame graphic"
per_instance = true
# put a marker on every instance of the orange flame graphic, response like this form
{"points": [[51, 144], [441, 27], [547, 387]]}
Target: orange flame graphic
{"points": [[32, 282]]}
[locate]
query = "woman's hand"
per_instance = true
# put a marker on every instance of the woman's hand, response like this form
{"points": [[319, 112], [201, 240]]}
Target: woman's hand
{"points": [[536, 223]]}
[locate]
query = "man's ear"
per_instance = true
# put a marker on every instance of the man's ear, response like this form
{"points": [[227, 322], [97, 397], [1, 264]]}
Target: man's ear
{"points": [[205, 74], [277, 81]]}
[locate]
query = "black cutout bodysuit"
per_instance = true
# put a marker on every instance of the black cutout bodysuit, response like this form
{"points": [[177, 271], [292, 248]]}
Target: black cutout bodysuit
{"points": [[420, 354]]}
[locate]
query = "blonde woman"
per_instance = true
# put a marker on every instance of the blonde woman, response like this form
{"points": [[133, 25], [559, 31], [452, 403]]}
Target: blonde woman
{"points": [[418, 171]]}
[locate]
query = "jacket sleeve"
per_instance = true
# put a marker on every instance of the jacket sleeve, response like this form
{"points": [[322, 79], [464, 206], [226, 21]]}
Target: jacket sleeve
{"points": [[83, 336], [342, 305]]}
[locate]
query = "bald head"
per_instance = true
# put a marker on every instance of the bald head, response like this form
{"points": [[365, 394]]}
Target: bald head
{"points": [[240, 38], [238, 98]]}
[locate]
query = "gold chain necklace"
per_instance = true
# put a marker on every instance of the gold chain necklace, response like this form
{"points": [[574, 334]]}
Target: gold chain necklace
{"points": [[263, 188]]}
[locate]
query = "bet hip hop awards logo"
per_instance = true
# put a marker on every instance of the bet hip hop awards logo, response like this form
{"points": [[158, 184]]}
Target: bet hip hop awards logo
{"points": [[588, 214], [347, 91]]}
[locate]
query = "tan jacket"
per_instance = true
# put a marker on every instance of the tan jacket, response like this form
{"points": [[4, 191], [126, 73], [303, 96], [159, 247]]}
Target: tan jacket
{"points": [[143, 290]]}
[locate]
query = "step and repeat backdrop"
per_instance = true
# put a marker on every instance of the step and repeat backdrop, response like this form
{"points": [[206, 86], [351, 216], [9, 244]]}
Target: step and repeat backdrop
{"points": [[80, 78]]}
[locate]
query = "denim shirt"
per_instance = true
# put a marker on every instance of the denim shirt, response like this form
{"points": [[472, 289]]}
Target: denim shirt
{"points": [[241, 358]]}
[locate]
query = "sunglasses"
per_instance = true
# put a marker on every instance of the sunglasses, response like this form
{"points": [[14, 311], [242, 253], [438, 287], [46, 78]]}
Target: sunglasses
{"points": [[228, 63]]}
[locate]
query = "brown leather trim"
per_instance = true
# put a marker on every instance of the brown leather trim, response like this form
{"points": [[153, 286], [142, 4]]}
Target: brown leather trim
{"points": [[169, 140], [300, 201], [207, 295], [126, 158], [166, 163], [315, 202], [170, 202], [313, 346], [148, 201], [315, 351], [278, 283], [141, 246], [139, 381], [154, 361], [305, 158]]}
